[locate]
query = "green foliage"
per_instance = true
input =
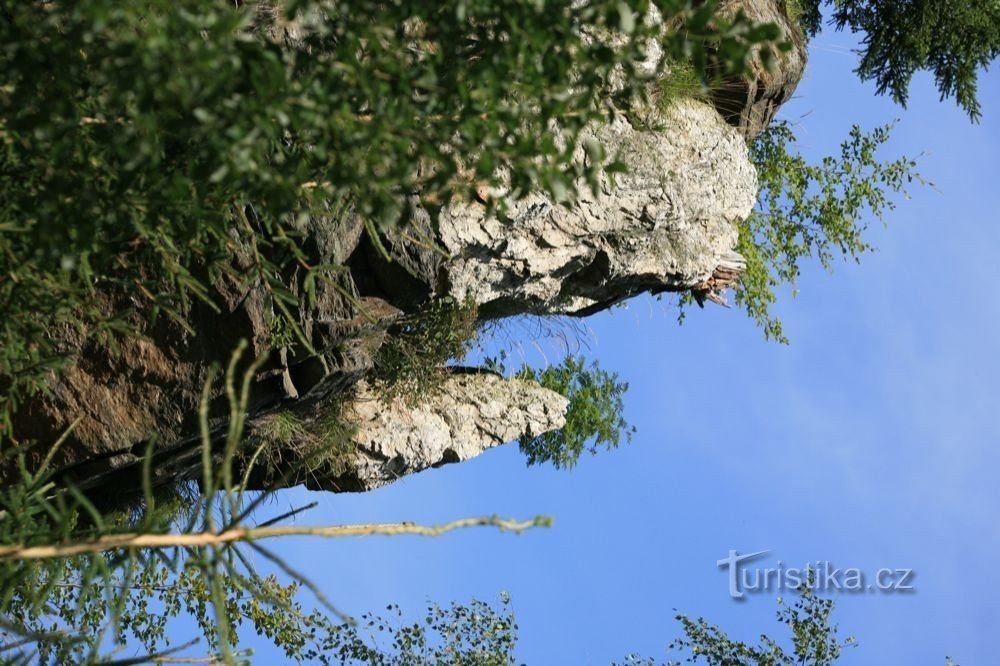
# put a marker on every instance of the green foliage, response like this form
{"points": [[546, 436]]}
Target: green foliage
{"points": [[280, 429], [282, 334], [476, 634], [814, 639], [144, 144], [953, 39], [139, 602], [594, 418], [812, 210], [86, 608], [89, 608], [803, 14], [410, 363]]}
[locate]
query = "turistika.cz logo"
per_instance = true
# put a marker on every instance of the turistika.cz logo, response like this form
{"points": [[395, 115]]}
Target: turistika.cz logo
{"points": [[821, 576]]}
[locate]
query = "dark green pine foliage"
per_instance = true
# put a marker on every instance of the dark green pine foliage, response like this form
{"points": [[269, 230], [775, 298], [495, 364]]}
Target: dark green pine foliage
{"points": [[953, 39]]}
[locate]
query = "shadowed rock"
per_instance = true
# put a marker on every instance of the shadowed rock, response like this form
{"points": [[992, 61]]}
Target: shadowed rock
{"points": [[749, 102]]}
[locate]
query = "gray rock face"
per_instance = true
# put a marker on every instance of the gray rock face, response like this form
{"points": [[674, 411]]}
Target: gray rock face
{"points": [[665, 226], [466, 416]]}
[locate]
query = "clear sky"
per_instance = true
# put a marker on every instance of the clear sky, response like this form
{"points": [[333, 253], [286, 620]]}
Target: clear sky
{"points": [[869, 442]]}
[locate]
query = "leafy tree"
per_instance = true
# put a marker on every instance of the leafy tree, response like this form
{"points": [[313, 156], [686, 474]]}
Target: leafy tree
{"points": [[953, 39], [411, 363], [593, 420], [812, 210], [814, 639], [477, 634]]}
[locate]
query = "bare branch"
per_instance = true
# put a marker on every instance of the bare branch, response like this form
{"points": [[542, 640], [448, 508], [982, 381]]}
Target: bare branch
{"points": [[242, 534]]}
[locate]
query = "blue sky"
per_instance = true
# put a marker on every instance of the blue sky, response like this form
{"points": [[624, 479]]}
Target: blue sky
{"points": [[869, 442]]}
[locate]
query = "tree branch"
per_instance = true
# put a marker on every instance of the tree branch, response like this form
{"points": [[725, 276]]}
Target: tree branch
{"points": [[242, 534]]}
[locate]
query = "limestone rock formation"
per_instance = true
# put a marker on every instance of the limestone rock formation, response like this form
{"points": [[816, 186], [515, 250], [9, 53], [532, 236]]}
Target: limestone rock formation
{"points": [[666, 225], [362, 439], [467, 415]]}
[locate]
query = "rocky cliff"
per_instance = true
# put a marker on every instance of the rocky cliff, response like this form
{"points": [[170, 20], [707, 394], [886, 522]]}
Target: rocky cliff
{"points": [[667, 225]]}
